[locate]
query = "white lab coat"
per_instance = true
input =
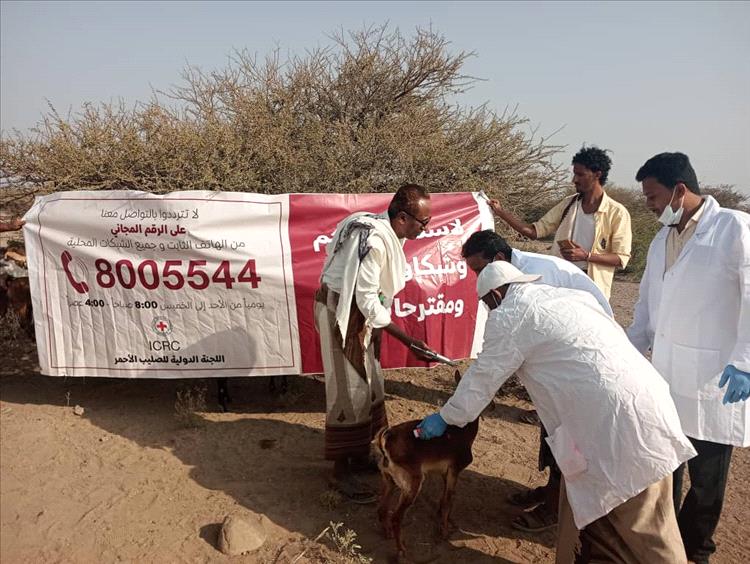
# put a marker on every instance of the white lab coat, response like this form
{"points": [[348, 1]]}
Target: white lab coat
{"points": [[558, 273], [613, 428], [695, 318]]}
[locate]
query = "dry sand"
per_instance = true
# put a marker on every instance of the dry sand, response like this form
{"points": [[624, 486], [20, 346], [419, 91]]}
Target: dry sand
{"points": [[126, 481]]}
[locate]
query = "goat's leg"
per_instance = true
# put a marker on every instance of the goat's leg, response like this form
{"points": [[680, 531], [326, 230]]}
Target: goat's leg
{"points": [[446, 503], [387, 484], [404, 502]]}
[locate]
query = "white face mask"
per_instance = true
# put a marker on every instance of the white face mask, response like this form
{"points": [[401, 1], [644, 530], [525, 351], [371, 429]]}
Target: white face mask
{"points": [[669, 216]]}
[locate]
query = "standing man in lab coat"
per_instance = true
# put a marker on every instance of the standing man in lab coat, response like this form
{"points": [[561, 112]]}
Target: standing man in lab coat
{"points": [[614, 430], [694, 315], [481, 249]]}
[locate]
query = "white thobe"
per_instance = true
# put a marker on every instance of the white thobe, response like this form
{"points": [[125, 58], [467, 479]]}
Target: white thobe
{"points": [[373, 281]]}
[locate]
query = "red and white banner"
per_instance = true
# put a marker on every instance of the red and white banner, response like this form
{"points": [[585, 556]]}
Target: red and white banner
{"points": [[199, 284], [439, 303]]}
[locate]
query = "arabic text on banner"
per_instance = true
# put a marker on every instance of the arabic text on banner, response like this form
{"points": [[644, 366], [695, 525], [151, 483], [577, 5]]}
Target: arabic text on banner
{"points": [[203, 284], [439, 303], [191, 284]]}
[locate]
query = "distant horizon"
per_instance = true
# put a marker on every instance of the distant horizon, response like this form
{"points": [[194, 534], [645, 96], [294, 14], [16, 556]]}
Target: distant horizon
{"points": [[636, 79]]}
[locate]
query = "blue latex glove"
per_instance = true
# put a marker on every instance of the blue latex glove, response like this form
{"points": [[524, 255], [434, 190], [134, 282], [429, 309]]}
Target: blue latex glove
{"points": [[739, 384], [432, 426]]}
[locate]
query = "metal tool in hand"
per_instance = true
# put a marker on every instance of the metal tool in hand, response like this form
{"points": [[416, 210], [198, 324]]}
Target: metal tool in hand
{"points": [[433, 356]]}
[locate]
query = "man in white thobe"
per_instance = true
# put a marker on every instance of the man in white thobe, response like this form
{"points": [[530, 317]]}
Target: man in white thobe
{"points": [[614, 430], [364, 270]]}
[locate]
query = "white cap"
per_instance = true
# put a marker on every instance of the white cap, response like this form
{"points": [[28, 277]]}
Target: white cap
{"points": [[500, 273]]}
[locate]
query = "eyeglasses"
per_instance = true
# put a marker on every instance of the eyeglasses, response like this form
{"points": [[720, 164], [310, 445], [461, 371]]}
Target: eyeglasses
{"points": [[422, 222]]}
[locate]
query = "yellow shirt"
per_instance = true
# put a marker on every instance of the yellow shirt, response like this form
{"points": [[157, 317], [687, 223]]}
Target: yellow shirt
{"points": [[676, 241], [611, 235]]}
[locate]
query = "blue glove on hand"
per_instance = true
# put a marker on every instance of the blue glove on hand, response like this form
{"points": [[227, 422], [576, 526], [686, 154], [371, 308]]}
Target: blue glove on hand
{"points": [[739, 384], [432, 426]]}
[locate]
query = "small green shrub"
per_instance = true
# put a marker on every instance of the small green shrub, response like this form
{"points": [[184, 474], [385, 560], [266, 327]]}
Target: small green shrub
{"points": [[345, 542]]}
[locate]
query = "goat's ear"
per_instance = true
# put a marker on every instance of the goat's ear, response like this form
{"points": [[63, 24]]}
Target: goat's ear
{"points": [[457, 376], [380, 437]]}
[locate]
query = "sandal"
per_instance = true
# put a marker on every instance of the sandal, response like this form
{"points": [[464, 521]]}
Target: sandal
{"points": [[535, 521], [530, 417], [353, 490], [527, 499]]}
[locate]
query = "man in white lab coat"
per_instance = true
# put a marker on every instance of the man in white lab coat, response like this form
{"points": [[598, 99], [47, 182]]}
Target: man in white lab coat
{"points": [[615, 432], [482, 248], [693, 314]]}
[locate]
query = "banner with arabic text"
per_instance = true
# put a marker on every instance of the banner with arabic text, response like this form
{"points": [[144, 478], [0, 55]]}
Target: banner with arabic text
{"points": [[203, 284], [439, 303], [190, 284]]}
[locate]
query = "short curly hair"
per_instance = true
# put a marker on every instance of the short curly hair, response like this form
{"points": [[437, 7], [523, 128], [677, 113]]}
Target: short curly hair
{"points": [[594, 159]]}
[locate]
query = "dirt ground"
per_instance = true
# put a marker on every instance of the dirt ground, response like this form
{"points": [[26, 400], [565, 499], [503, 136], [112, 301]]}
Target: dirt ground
{"points": [[128, 481]]}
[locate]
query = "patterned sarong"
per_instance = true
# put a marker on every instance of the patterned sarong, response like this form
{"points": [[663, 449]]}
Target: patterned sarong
{"points": [[355, 394]]}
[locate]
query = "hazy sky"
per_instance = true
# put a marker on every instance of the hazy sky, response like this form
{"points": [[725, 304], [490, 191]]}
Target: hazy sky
{"points": [[636, 78]]}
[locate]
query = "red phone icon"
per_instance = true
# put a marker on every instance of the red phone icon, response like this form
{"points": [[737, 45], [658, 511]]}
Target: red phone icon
{"points": [[80, 287]]}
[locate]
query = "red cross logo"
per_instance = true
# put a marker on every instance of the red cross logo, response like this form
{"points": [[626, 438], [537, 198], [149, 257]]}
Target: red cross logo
{"points": [[161, 325]]}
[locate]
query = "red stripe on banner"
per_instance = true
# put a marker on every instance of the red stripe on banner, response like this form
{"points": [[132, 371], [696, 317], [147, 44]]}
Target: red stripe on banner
{"points": [[438, 304]]}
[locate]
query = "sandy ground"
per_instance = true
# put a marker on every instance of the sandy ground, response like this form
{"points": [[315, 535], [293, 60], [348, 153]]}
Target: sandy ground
{"points": [[128, 481]]}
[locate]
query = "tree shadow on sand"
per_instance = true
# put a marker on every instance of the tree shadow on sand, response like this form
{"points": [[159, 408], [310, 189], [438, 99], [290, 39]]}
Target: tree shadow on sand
{"points": [[252, 457], [437, 397]]}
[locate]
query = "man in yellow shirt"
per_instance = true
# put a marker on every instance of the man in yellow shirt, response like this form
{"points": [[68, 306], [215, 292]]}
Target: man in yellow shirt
{"points": [[591, 229]]}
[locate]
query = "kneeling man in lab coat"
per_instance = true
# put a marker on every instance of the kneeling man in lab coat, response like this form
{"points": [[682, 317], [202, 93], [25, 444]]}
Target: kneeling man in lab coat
{"points": [[614, 430], [693, 313]]}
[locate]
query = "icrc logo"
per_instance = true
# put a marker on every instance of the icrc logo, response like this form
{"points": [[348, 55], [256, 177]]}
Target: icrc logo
{"points": [[161, 325]]}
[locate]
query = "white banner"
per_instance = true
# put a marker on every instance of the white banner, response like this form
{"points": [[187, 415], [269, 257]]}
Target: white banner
{"points": [[191, 284]]}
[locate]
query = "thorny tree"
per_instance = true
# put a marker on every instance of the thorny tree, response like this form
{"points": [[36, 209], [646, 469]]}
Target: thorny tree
{"points": [[369, 112]]}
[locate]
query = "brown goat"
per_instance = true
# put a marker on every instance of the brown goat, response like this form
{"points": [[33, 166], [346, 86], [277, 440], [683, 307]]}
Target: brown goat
{"points": [[405, 462]]}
